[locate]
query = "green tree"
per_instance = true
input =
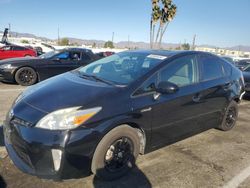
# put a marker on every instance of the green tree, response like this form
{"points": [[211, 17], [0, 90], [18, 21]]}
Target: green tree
{"points": [[64, 42], [185, 46], [163, 12], [25, 41], [178, 48], [94, 45], [109, 44]]}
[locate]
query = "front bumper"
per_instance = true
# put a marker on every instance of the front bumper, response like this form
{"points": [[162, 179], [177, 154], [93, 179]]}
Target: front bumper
{"points": [[6, 75], [31, 150]]}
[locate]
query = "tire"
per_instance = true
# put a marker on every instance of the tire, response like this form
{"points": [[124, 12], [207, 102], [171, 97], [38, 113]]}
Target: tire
{"points": [[230, 116], [27, 55], [106, 162], [26, 76]]}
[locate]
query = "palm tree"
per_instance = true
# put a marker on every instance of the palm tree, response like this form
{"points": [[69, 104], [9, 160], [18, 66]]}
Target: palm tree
{"points": [[161, 16]]}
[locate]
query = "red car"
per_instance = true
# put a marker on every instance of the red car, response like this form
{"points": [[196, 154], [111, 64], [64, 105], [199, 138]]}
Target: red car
{"points": [[11, 51]]}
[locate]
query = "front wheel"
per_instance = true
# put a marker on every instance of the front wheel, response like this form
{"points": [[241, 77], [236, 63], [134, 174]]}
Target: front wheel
{"points": [[116, 153], [230, 117], [26, 76]]}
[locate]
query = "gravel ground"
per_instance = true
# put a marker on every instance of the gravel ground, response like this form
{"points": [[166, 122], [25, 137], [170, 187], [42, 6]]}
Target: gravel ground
{"points": [[210, 159]]}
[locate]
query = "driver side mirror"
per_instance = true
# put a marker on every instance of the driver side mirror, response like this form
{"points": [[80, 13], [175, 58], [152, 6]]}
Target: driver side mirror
{"points": [[167, 88]]}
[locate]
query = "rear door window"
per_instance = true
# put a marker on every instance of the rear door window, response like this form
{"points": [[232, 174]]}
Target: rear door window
{"points": [[211, 67], [86, 56], [18, 48]]}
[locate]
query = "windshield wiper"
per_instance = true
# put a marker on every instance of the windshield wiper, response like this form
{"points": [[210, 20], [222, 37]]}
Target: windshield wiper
{"points": [[87, 76]]}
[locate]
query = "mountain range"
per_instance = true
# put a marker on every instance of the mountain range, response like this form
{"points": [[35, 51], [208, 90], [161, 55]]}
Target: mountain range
{"points": [[121, 44]]}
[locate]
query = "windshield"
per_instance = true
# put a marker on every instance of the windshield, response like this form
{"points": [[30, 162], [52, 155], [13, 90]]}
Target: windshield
{"points": [[122, 68], [229, 59], [247, 69], [243, 63], [48, 55]]}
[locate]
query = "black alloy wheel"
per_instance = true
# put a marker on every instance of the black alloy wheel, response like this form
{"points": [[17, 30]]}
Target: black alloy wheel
{"points": [[230, 117], [119, 155], [26, 76], [116, 153]]}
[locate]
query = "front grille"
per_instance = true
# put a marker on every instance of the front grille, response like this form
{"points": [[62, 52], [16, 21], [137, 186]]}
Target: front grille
{"points": [[21, 148], [17, 121]]}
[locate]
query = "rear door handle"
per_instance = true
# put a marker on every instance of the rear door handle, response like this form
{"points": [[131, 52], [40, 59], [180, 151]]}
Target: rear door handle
{"points": [[197, 97]]}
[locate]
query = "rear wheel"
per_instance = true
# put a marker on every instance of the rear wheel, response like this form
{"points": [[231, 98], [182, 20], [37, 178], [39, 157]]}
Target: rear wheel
{"points": [[26, 76], [116, 153], [230, 117]]}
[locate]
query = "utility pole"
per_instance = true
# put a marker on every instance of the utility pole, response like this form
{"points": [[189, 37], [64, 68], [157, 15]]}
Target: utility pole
{"points": [[194, 41], [58, 35], [113, 35], [9, 29], [128, 42]]}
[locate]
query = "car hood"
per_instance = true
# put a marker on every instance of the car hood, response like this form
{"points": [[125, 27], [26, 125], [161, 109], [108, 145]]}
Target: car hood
{"points": [[67, 90], [18, 60]]}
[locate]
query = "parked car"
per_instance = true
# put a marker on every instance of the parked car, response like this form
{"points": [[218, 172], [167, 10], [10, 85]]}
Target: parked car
{"points": [[100, 117], [104, 54], [246, 73], [242, 64], [28, 71], [12, 51]]}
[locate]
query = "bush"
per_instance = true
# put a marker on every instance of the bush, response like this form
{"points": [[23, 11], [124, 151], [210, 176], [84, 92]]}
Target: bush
{"points": [[63, 42], [25, 41]]}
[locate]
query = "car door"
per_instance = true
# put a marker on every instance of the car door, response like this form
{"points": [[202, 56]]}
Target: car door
{"points": [[63, 62], [175, 116], [5, 52], [2, 53], [216, 89], [16, 51]]}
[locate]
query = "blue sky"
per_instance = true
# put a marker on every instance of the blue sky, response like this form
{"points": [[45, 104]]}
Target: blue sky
{"points": [[216, 22]]}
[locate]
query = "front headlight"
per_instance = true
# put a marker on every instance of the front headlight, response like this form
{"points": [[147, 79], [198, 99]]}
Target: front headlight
{"points": [[6, 66], [68, 118]]}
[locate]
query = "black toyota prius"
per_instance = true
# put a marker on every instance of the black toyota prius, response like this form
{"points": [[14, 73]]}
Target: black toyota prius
{"points": [[99, 118]]}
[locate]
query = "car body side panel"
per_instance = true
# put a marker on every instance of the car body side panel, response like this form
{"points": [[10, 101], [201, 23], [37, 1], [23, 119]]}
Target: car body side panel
{"points": [[215, 98], [175, 115]]}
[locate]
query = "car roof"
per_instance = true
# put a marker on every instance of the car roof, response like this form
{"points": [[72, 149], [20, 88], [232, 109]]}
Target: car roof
{"points": [[167, 53], [77, 49]]}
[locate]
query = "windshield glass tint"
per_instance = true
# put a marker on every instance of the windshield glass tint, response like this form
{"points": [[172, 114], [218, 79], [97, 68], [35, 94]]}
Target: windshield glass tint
{"points": [[247, 69], [49, 54], [123, 68]]}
